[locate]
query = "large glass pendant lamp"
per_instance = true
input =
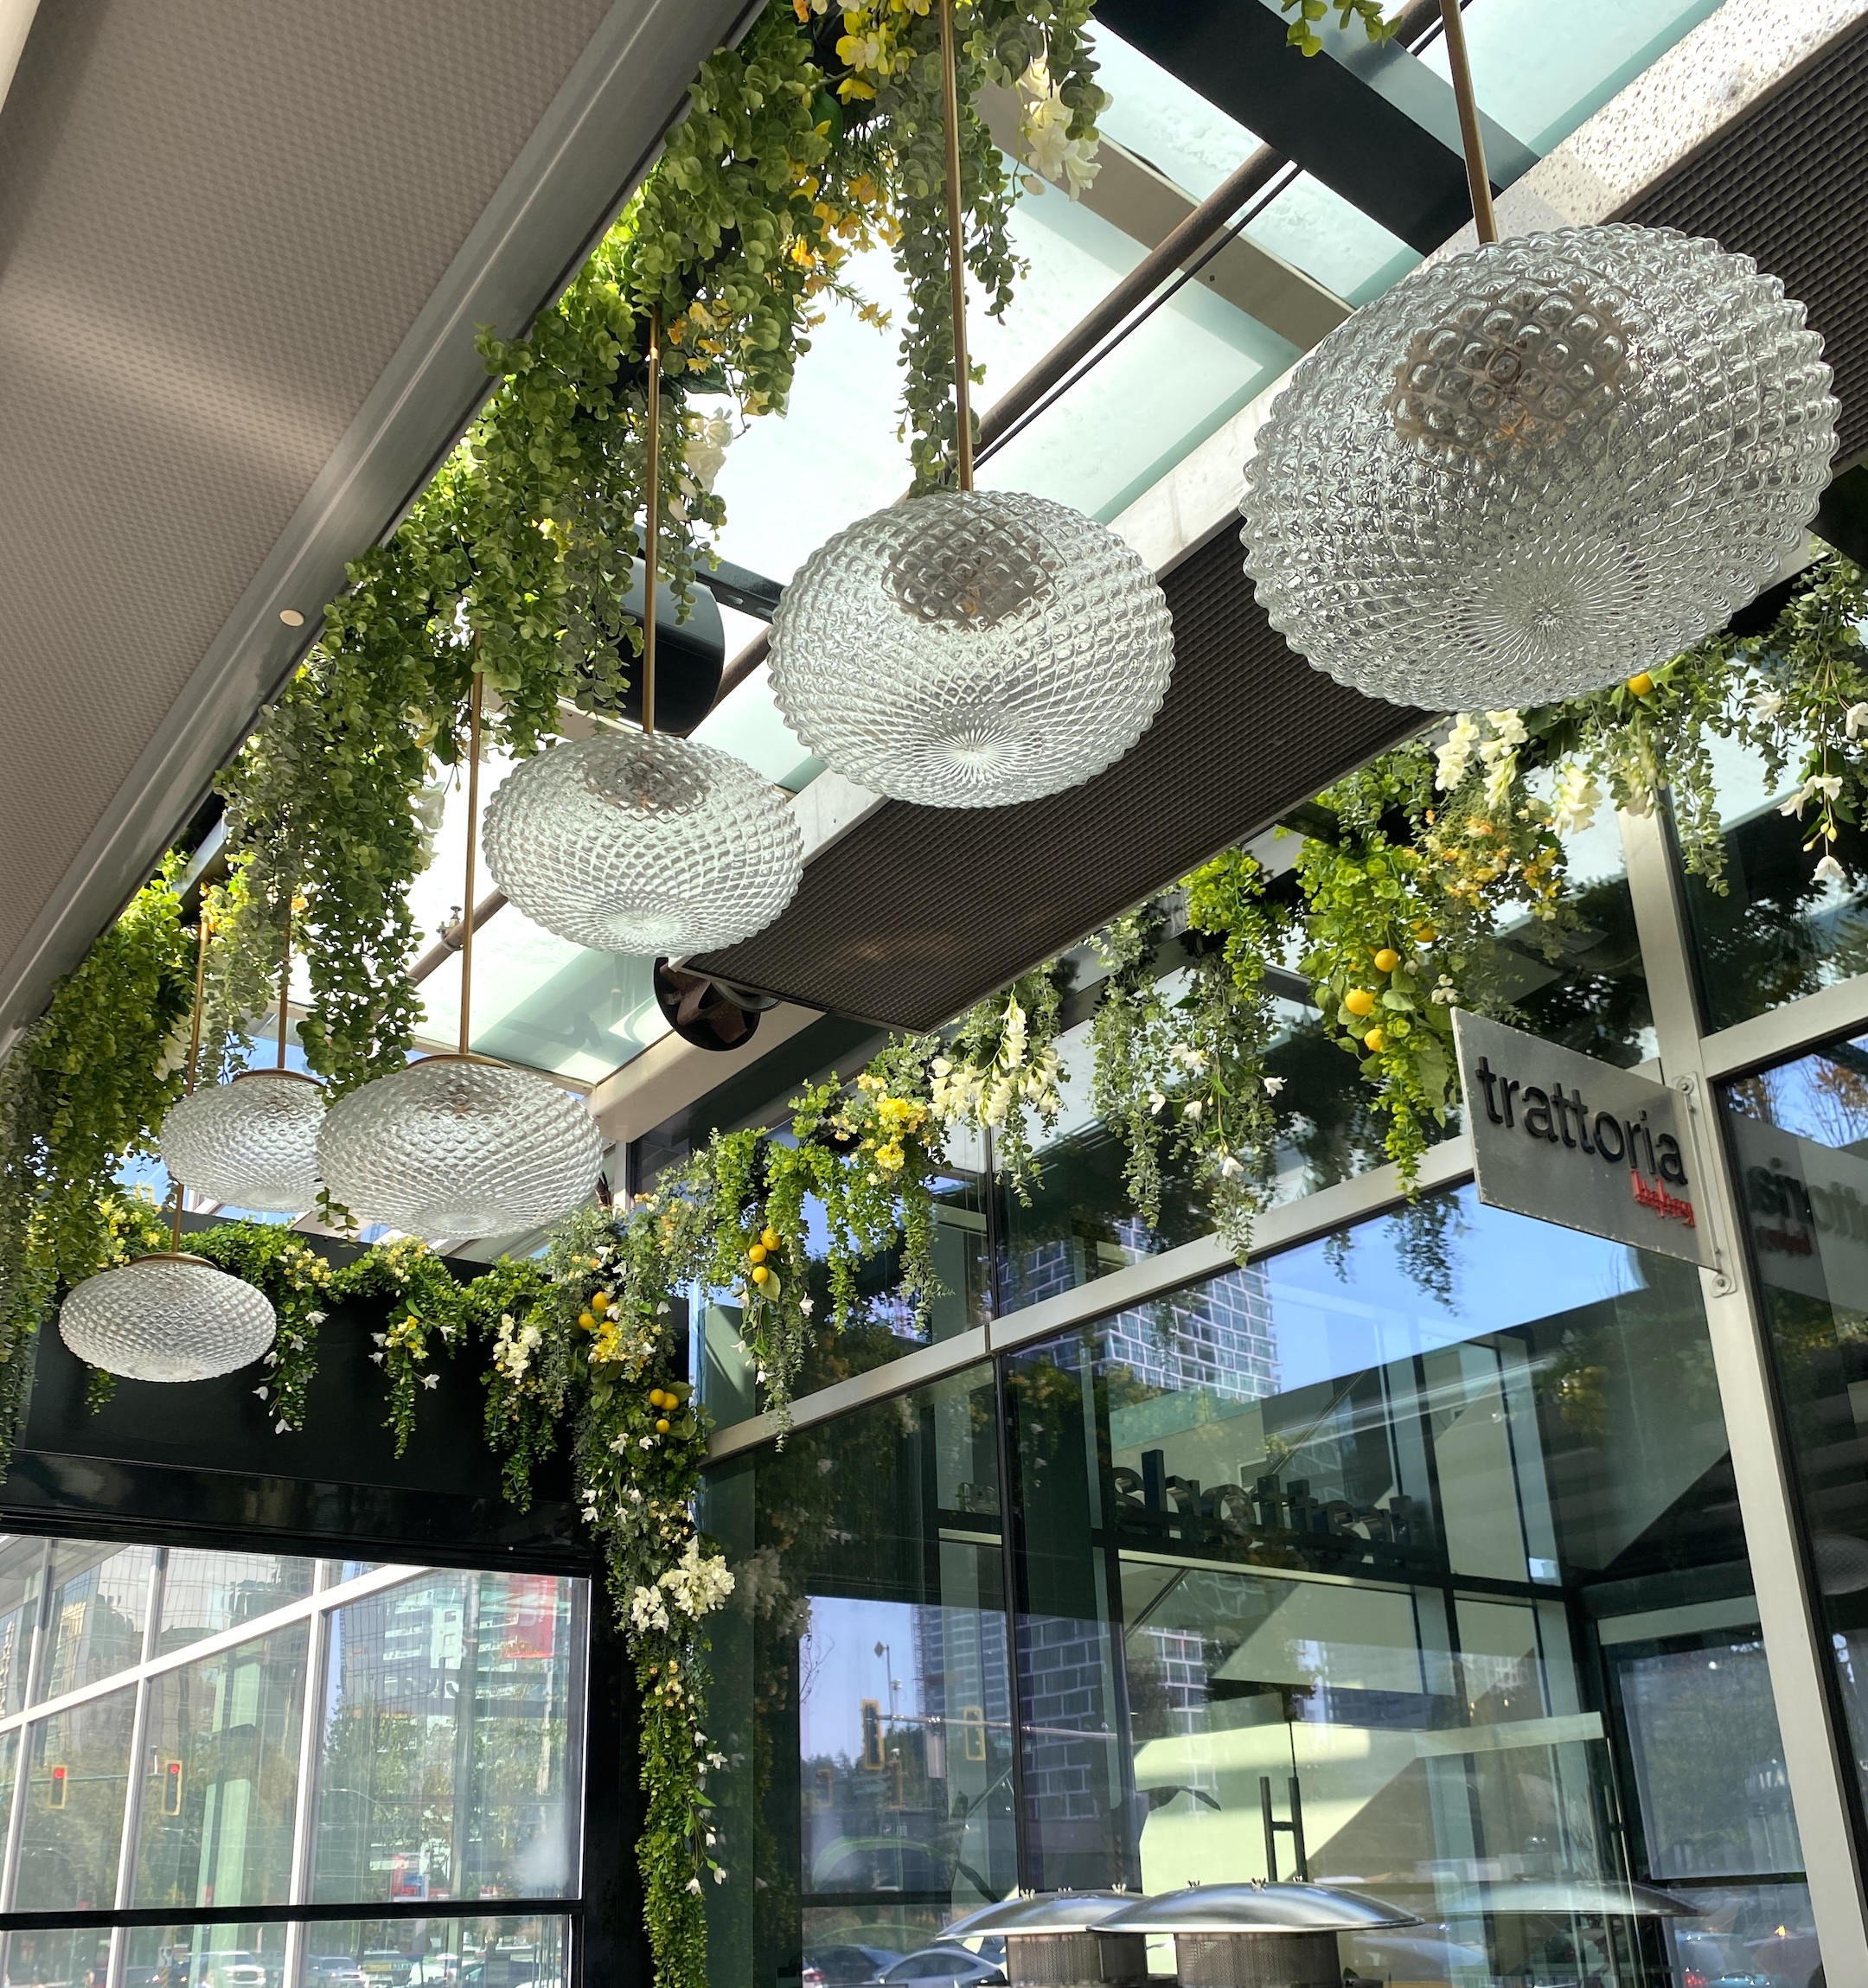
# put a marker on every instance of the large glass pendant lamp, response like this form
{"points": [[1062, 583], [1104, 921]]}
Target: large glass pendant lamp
{"points": [[971, 648], [170, 1316], [1537, 469], [644, 842], [460, 1145], [252, 1143]]}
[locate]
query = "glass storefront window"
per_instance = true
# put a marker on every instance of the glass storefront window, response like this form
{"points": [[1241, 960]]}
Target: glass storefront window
{"points": [[1799, 1138], [71, 1826], [448, 1743], [220, 1776], [206, 1593], [96, 1617], [862, 1692], [22, 1567], [1774, 933]]}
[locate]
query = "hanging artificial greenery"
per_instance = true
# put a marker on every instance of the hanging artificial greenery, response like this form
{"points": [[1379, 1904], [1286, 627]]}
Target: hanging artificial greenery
{"points": [[1001, 1073]]}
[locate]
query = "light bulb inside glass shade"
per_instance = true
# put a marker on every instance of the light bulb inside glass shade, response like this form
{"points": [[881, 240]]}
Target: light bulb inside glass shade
{"points": [[252, 1143], [641, 844], [1538, 468], [970, 648], [169, 1317], [454, 1146]]}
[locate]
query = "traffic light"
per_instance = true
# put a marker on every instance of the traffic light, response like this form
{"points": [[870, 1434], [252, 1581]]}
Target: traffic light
{"points": [[55, 1794], [171, 1797], [872, 1734], [973, 1726]]}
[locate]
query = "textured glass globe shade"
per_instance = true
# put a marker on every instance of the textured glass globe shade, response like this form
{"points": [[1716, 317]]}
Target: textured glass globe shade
{"points": [[647, 845], [970, 648], [171, 1318], [252, 1143], [455, 1147], [1538, 468]]}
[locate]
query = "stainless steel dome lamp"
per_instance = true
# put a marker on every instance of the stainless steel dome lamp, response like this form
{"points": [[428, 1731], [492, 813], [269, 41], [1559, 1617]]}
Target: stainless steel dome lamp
{"points": [[1055, 1940], [1257, 1935]]}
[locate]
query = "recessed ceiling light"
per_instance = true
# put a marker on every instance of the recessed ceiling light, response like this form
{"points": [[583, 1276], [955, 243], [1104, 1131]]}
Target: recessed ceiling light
{"points": [[291, 617]]}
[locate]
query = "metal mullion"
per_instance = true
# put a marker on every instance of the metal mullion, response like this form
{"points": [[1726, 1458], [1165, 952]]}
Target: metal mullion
{"points": [[1783, 1032], [135, 1780], [22, 1758], [310, 1729], [1822, 1787]]}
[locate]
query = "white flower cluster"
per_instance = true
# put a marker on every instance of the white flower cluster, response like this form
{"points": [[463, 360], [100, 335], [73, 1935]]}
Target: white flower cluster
{"points": [[514, 1347], [695, 1585], [704, 442], [1045, 142], [1577, 797], [1495, 736], [964, 1094]]}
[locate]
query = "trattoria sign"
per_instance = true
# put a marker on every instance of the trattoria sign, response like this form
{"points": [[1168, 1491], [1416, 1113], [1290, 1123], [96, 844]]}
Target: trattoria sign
{"points": [[1570, 1139]]}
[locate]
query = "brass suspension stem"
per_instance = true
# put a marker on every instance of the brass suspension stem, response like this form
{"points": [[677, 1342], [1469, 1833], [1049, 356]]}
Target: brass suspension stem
{"points": [[651, 523], [956, 250], [1476, 177], [473, 836], [284, 982], [194, 1049]]}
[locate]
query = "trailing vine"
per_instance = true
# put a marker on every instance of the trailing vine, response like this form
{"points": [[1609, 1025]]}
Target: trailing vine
{"points": [[1001, 1073]]}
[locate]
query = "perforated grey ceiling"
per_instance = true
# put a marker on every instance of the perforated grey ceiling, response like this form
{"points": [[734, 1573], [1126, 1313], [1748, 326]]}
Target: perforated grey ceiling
{"points": [[243, 250]]}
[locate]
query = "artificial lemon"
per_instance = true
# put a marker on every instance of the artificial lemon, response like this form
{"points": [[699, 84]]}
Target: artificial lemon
{"points": [[1387, 960], [1375, 1042], [656, 1399], [1359, 1000], [601, 1302], [661, 1427], [1642, 686], [587, 1321], [761, 1276], [1425, 934], [757, 1253], [769, 1237]]}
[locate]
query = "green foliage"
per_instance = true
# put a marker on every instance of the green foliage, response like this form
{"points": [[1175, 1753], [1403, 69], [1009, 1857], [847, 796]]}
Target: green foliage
{"points": [[301, 1288], [1302, 33], [428, 1307]]}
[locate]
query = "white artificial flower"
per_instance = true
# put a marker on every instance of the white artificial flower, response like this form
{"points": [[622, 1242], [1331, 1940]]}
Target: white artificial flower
{"points": [[1508, 728], [282, 1427], [1766, 705], [1272, 1085], [1455, 753], [262, 1392], [1830, 871], [1230, 1168], [804, 1305], [1575, 799], [316, 1317], [1156, 1100], [1192, 1108], [1857, 719], [430, 1380]]}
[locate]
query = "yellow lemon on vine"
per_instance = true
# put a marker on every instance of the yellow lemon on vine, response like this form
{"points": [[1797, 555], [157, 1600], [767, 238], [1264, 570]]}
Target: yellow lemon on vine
{"points": [[757, 1253], [1387, 960], [761, 1276], [1375, 1042], [1425, 934], [1642, 686], [600, 1303], [769, 1237], [1359, 1000], [588, 1323], [661, 1427], [656, 1399]]}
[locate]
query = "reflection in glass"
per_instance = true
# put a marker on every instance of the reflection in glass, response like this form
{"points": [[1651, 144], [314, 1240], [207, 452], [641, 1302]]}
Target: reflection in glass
{"points": [[449, 1746], [95, 1619], [206, 1593], [72, 1826], [862, 1695], [220, 1776], [1362, 1565], [1799, 1143], [22, 1567]]}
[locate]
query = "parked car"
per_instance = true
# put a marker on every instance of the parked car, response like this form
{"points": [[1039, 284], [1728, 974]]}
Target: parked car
{"points": [[850, 1964], [942, 1966], [230, 1970], [334, 1971], [385, 1964]]}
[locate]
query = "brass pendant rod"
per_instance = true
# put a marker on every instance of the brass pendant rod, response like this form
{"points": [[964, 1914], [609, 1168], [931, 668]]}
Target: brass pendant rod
{"points": [[473, 834], [652, 522], [285, 981], [1477, 178], [193, 1047], [956, 250]]}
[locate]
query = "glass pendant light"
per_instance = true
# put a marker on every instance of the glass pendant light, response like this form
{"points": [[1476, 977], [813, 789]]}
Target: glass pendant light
{"points": [[971, 648], [252, 1143], [460, 1145], [643, 842], [172, 1316], [1538, 468]]}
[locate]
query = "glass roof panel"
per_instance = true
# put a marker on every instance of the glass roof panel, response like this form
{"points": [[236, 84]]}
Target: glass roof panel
{"points": [[1332, 241], [1159, 119], [1542, 71]]}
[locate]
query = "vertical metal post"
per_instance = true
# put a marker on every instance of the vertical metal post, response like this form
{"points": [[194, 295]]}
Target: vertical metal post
{"points": [[1816, 1755], [22, 1763], [137, 1779], [310, 1729]]}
